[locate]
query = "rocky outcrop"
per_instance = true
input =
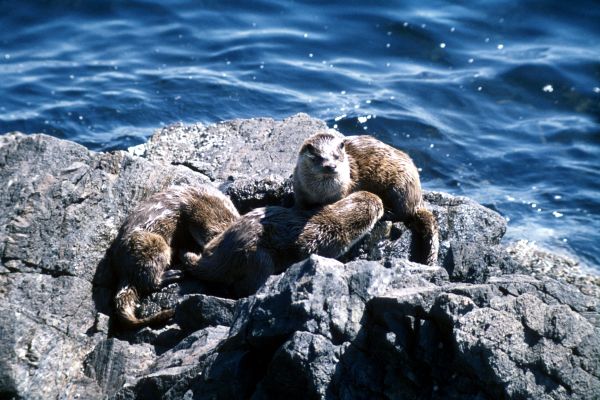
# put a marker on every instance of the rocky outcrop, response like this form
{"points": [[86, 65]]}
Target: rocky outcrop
{"points": [[488, 322]]}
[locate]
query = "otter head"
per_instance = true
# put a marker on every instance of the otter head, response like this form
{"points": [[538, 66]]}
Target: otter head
{"points": [[323, 153], [322, 173]]}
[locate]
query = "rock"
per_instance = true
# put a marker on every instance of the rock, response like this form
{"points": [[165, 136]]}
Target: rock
{"points": [[540, 262], [302, 368], [248, 194], [252, 149], [491, 321], [528, 349], [112, 363], [197, 311], [172, 371]]}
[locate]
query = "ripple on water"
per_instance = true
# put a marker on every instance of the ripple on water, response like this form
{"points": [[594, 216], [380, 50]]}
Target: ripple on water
{"points": [[491, 101]]}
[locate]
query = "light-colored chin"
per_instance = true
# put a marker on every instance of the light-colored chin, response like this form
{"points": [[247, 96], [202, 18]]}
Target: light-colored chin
{"points": [[325, 188], [334, 177], [330, 188]]}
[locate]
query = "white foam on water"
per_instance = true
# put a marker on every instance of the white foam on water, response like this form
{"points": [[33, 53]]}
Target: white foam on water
{"points": [[548, 89]]}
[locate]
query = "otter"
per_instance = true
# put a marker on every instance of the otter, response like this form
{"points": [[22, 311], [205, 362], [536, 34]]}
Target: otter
{"points": [[330, 166], [268, 240], [170, 223]]}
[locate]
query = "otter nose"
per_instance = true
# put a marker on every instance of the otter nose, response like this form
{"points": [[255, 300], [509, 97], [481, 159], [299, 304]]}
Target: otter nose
{"points": [[329, 167]]}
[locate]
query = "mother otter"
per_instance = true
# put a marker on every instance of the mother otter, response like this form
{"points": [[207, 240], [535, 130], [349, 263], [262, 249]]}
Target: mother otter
{"points": [[330, 166]]}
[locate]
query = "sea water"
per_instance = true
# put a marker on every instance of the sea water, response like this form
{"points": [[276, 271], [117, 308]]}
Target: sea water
{"points": [[495, 100]]}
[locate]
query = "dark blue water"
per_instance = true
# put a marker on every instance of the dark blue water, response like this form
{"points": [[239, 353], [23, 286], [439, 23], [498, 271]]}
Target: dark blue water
{"points": [[496, 100]]}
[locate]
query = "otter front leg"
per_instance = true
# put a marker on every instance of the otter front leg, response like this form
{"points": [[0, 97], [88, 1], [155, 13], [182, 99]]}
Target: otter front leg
{"points": [[331, 231]]}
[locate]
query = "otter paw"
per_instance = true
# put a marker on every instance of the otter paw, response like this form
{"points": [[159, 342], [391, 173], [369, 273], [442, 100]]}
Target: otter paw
{"points": [[190, 259], [171, 275]]}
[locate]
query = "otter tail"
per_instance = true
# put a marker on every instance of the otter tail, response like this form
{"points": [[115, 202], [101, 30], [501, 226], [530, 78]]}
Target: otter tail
{"points": [[424, 223], [126, 301]]}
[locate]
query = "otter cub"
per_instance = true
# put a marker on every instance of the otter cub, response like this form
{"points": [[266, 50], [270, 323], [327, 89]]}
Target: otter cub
{"points": [[330, 166], [179, 219], [267, 240]]}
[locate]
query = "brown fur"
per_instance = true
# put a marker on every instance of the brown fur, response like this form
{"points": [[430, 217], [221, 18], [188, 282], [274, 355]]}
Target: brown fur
{"points": [[168, 223], [331, 166], [268, 240]]}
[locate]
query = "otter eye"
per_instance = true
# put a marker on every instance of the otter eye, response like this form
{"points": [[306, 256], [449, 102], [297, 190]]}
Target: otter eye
{"points": [[341, 146]]}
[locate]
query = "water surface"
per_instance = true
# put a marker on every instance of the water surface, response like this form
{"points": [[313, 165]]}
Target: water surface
{"points": [[495, 100]]}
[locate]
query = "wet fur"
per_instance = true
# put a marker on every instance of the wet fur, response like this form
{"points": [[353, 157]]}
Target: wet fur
{"points": [[180, 219], [373, 166], [268, 240]]}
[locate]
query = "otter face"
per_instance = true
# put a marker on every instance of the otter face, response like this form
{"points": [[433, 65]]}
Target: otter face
{"points": [[322, 173], [325, 153]]}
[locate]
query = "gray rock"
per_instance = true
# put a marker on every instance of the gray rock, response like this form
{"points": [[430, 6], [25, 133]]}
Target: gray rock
{"points": [[540, 262], [197, 311], [490, 321], [523, 348], [253, 148], [113, 362], [248, 194], [302, 368], [170, 374]]}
